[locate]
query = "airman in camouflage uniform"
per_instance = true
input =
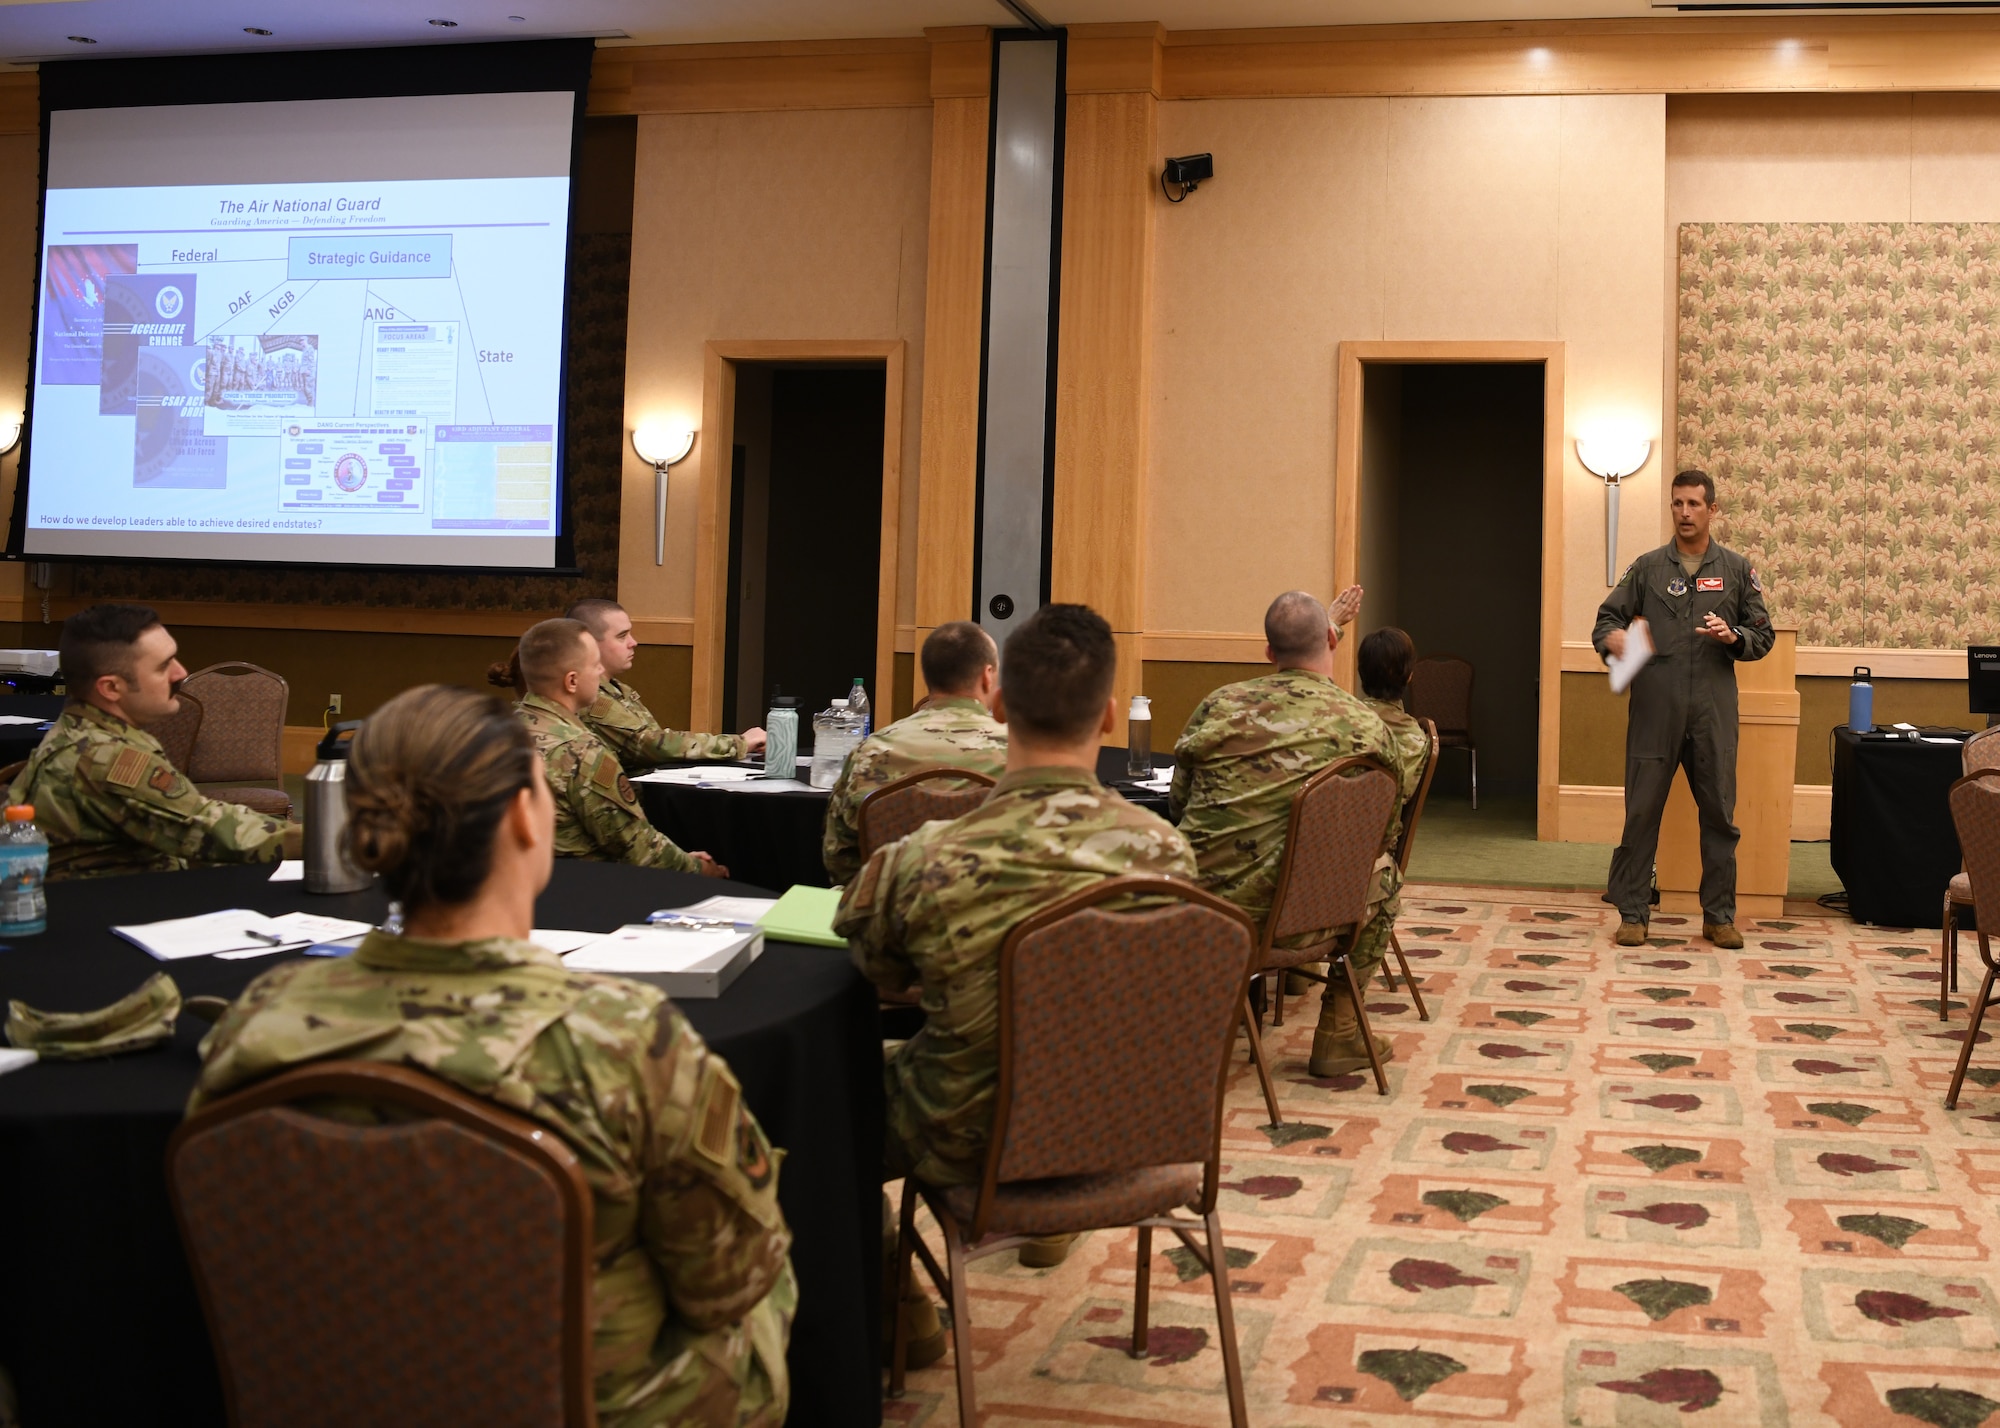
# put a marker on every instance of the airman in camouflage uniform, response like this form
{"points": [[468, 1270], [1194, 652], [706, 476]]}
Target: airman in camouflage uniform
{"points": [[620, 718], [949, 732], [1246, 752], [932, 910], [597, 811], [693, 1293], [1409, 751], [111, 802]]}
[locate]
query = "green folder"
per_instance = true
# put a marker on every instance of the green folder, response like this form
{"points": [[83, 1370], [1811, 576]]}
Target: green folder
{"points": [[804, 914]]}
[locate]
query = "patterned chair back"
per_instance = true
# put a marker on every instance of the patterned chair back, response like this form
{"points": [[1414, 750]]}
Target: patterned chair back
{"points": [[1115, 1031], [429, 1270], [1441, 691], [242, 723], [1414, 809], [1982, 751], [177, 732], [898, 809], [1975, 809], [1340, 821]]}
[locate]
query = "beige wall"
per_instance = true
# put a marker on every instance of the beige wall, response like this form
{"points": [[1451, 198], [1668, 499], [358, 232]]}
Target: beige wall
{"points": [[1331, 220], [765, 226]]}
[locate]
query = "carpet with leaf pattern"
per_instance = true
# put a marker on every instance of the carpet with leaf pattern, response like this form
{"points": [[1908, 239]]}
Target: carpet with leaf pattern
{"points": [[1611, 1188]]}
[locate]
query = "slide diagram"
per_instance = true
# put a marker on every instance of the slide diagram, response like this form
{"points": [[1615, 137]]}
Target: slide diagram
{"points": [[255, 358]]}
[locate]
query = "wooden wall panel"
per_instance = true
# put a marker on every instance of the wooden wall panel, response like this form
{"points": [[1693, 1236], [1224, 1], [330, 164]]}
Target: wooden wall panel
{"points": [[710, 79], [953, 304], [1103, 364], [20, 104]]}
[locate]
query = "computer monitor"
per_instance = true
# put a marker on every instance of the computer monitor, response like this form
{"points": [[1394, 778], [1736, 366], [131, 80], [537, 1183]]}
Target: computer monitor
{"points": [[1982, 678]]}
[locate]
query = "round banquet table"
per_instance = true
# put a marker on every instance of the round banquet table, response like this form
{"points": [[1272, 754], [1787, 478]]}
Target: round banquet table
{"points": [[768, 832], [99, 1322]]}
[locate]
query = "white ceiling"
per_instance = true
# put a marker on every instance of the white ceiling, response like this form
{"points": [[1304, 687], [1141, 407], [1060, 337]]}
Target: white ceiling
{"points": [[33, 30]]}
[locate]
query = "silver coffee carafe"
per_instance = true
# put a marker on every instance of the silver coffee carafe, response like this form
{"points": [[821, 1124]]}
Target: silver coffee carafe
{"points": [[327, 867]]}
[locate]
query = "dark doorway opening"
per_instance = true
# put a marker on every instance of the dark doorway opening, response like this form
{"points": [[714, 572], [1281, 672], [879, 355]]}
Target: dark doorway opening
{"points": [[805, 537], [1450, 547]]}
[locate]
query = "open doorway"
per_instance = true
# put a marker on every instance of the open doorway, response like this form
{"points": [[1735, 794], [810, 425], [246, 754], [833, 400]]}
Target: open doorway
{"points": [[805, 529], [1448, 500]]}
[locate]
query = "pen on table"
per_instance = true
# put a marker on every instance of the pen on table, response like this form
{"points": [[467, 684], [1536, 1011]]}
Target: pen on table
{"points": [[266, 938]]}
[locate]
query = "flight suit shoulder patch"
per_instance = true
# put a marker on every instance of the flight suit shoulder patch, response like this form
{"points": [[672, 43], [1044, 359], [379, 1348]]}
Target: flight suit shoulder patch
{"points": [[128, 768], [715, 1119]]}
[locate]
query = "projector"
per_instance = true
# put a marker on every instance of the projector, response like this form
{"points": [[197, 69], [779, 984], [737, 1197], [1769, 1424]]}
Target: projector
{"points": [[1190, 171]]}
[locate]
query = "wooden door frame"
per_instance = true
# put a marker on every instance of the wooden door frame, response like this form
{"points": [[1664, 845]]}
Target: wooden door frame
{"points": [[711, 548], [1347, 507]]}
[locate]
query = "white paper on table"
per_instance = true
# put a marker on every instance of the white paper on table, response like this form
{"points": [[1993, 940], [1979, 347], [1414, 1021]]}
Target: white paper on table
{"points": [[721, 773], [230, 930], [22, 719], [290, 870], [653, 949], [301, 929], [559, 942], [773, 785], [13, 1058], [738, 909], [1638, 650]]}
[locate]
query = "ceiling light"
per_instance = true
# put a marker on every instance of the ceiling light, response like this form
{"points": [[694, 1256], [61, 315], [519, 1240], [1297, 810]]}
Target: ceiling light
{"points": [[443, 24], [253, 30], [518, 19], [81, 40]]}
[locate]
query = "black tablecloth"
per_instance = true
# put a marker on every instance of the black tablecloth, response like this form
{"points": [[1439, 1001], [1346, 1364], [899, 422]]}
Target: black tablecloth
{"points": [[98, 1317], [772, 838], [17, 741], [1894, 847]]}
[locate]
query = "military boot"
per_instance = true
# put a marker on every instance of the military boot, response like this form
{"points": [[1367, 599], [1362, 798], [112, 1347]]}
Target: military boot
{"points": [[1631, 934], [1337, 1045], [1723, 935], [1047, 1252]]}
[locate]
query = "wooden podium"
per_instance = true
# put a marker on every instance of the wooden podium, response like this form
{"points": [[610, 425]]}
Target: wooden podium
{"points": [[1767, 741]]}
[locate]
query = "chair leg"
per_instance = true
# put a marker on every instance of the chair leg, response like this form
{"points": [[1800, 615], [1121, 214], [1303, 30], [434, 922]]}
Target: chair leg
{"points": [[1971, 1033], [1263, 1065], [1947, 957], [906, 1231], [1396, 946], [1367, 1032], [1144, 1292], [1277, 985], [961, 1332], [1470, 749], [1225, 1323]]}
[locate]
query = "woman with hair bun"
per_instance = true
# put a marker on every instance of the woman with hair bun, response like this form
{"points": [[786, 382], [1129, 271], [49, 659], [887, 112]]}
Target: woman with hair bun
{"points": [[447, 802]]}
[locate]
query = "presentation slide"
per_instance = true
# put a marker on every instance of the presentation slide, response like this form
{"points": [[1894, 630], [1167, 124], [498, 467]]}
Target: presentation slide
{"points": [[336, 336]]}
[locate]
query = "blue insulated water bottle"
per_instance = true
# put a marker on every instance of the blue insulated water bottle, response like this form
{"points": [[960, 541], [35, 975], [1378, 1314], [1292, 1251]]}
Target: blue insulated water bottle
{"points": [[1861, 701]]}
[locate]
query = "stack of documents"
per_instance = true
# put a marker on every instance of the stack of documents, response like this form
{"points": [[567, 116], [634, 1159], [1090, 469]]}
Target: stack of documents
{"points": [[805, 914], [700, 775], [681, 959], [236, 933]]}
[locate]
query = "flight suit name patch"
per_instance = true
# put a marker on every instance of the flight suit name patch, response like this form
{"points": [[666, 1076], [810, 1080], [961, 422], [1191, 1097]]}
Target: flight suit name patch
{"points": [[1709, 582]]}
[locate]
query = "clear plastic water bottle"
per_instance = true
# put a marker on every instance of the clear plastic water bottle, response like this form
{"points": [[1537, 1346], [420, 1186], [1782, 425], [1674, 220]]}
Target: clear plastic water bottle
{"points": [[835, 733], [24, 865], [857, 705]]}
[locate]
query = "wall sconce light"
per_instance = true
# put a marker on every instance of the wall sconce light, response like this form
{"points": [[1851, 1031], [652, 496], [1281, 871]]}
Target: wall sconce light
{"points": [[1612, 456], [10, 436], [661, 447]]}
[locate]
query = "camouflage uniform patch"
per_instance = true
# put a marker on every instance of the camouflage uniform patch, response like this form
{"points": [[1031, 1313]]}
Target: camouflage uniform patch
{"points": [[597, 811], [948, 733], [693, 1289], [623, 723], [933, 909], [1247, 750], [111, 802]]}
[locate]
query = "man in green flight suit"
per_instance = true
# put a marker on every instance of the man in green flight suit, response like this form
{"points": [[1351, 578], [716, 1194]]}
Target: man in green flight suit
{"points": [[620, 718], [556, 669], [954, 728], [1703, 608], [104, 790], [932, 909], [1246, 751]]}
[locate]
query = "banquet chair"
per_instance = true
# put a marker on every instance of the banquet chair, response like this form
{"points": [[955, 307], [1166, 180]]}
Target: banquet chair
{"points": [[178, 731], [241, 736], [1441, 691], [900, 808], [1975, 810], [1982, 751], [1082, 1140], [435, 1267], [1412, 811], [1338, 829]]}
